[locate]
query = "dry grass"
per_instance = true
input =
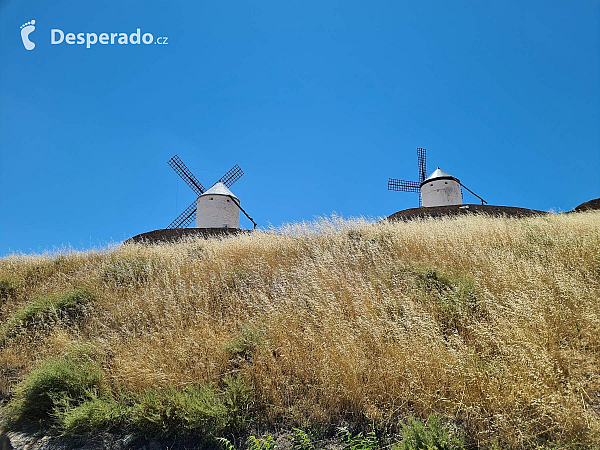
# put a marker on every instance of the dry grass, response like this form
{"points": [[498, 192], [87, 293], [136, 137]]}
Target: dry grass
{"points": [[492, 323]]}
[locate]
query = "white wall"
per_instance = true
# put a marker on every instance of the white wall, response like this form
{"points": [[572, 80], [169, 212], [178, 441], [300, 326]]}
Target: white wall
{"points": [[217, 211], [441, 193]]}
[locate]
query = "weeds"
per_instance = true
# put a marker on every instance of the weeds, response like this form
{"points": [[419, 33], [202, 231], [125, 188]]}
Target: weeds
{"points": [[56, 383], [431, 435], [301, 440], [245, 342], [264, 442], [67, 394], [225, 444], [196, 409], [367, 441], [95, 414], [238, 398], [45, 311], [455, 299]]}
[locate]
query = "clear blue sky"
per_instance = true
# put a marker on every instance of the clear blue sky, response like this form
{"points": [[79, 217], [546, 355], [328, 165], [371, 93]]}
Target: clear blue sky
{"points": [[318, 101]]}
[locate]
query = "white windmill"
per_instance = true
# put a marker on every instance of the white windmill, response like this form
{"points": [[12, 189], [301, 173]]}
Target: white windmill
{"points": [[216, 207], [438, 189]]}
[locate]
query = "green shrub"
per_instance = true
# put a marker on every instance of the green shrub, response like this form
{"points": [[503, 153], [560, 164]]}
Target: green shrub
{"points": [[82, 351], [455, 299], [56, 383], [430, 436], [239, 401], [95, 414], [66, 393], [196, 409], [46, 310], [245, 342]]}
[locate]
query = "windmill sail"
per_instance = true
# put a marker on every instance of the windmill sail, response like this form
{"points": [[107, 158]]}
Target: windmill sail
{"points": [[185, 218], [412, 186], [422, 162], [403, 185], [232, 176], [186, 175]]}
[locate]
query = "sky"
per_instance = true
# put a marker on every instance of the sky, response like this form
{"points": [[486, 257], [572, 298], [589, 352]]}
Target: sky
{"points": [[319, 102]]}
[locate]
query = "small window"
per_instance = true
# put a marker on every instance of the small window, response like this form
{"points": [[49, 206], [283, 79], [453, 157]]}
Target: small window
{"points": [[429, 185], [211, 198], [227, 201], [445, 182]]}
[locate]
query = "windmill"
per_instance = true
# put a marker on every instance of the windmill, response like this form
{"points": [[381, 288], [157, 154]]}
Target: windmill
{"points": [[438, 189], [216, 207]]}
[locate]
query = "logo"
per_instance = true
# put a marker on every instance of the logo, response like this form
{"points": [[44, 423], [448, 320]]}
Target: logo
{"points": [[58, 36], [26, 30]]}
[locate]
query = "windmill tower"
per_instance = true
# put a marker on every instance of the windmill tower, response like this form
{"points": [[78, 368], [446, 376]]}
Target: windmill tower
{"points": [[216, 207], [438, 189]]}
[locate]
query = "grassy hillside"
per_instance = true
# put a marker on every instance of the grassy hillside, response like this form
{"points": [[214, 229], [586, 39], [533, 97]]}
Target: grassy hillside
{"points": [[491, 324]]}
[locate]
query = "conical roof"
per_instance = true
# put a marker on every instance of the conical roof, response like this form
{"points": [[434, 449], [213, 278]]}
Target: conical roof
{"points": [[219, 189], [439, 173]]}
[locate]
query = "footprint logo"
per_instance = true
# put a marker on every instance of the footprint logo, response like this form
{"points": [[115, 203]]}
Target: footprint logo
{"points": [[26, 30]]}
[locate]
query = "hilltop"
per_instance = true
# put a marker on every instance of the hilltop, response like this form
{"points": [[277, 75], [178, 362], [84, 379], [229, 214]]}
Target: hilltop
{"points": [[489, 326]]}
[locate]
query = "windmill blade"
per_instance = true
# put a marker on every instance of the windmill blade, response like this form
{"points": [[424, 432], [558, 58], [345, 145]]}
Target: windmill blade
{"points": [[422, 160], [185, 218], [403, 185], [186, 175], [232, 176]]}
